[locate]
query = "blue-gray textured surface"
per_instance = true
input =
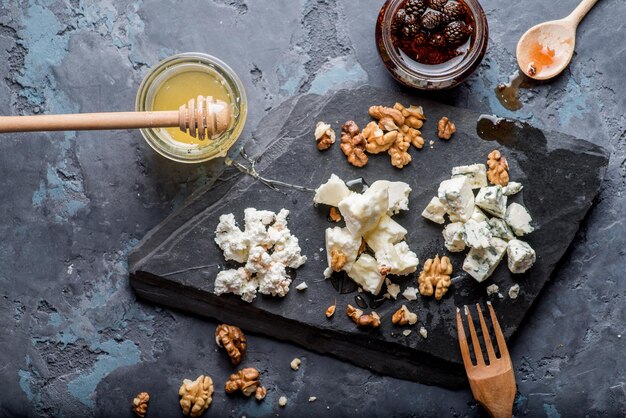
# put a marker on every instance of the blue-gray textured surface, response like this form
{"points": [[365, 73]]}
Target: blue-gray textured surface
{"points": [[76, 342]]}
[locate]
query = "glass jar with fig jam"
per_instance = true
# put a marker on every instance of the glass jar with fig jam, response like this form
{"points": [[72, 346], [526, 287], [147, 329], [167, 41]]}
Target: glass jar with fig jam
{"points": [[431, 44]]}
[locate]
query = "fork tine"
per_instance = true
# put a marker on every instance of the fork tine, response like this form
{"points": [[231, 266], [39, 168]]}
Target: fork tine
{"points": [[504, 352], [477, 350], [467, 359], [490, 352]]}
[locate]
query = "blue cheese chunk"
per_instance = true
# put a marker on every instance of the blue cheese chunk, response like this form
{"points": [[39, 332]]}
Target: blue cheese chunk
{"points": [[457, 196], [476, 173], [492, 200], [332, 192], [477, 234], [398, 192], [500, 229], [366, 273], [454, 235], [518, 219], [362, 212], [520, 256], [481, 263], [342, 241], [512, 188], [478, 215], [387, 232], [435, 211]]}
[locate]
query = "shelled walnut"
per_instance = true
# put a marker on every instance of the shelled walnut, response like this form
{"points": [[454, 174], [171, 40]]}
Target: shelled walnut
{"points": [[361, 319], [445, 128], [330, 311], [404, 317], [389, 118], [140, 404], [413, 115], [334, 214], [414, 136], [498, 172], [260, 393], [337, 260], [399, 152], [377, 140], [233, 340], [353, 144], [324, 135], [196, 396], [246, 380], [435, 278]]}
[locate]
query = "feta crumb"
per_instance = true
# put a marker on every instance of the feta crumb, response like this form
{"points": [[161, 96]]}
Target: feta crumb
{"points": [[423, 332], [282, 401], [331, 192], [410, 293], [492, 289], [393, 290], [406, 332], [398, 192], [514, 291], [295, 363], [302, 286], [231, 240], [362, 212], [387, 232], [312, 398], [366, 273]]}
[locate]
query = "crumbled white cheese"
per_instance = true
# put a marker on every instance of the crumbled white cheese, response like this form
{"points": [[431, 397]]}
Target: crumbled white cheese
{"points": [[410, 293], [239, 282], [457, 196], [521, 256], [399, 258], [295, 363], [398, 192], [423, 332], [282, 401], [256, 223], [259, 261], [312, 398], [366, 273], [302, 286], [512, 188], [411, 317], [514, 291], [406, 332], [362, 212], [492, 200], [480, 263], [342, 240], [275, 281], [477, 234], [519, 219], [476, 173], [392, 289], [387, 232], [492, 289], [331, 192], [231, 240], [454, 235], [435, 211]]}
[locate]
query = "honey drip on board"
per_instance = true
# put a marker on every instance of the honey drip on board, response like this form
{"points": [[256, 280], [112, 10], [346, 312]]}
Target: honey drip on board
{"points": [[508, 93], [181, 87]]}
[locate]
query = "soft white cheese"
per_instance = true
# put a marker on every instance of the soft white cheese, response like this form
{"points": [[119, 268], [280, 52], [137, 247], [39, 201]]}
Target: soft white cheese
{"points": [[392, 289], [423, 332], [500, 229], [518, 219], [478, 215], [435, 211], [238, 281], [342, 240], [454, 235], [399, 258], [331, 192], [512, 188], [231, 240], [275, 281], [288, 252], [480, 263], [302, 286], [492, 289], [457, 196], [398, 192], [366, 273], [477, 234], [520, 256], [256, 223], [362, 212], [410, 293], [386, 232], [492, 200], [476, 173], [514, 291], [259, 261]]}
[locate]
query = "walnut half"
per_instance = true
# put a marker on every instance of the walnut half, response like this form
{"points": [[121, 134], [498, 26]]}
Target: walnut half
{"points": [[196, 396], [233, 340], [445, 128], [404, 317], [140, 404], [246, 380], [361, 319], [353, 144], [498, 172], [324, 135], [435, 278]]}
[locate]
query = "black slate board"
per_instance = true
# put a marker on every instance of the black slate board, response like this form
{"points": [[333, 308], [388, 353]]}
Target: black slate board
{"points": [[176, 263]]}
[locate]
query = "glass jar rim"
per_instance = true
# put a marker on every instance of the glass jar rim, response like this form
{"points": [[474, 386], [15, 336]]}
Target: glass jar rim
{"points": [[475, 53], [220, 146]]}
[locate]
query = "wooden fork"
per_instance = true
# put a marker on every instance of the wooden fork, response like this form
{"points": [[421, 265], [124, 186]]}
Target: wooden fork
{"points": [[493, 384]]}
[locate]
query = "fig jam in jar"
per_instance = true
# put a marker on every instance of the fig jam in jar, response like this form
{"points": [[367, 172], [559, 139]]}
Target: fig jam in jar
{"points": [[431, 44]]}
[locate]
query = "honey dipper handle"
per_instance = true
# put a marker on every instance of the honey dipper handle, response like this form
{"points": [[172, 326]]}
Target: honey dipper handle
{"points": [[89, 121]]}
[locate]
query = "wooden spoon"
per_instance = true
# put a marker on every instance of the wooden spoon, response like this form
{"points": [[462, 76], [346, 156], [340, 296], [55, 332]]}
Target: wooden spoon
{"points": [[546, 49], [203, 117]]}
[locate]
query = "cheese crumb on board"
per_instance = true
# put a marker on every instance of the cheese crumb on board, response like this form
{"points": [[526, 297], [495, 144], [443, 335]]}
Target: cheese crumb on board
{"points": [[423, 332], [492, 289], [282, 401], [514, 291], [295, 363], [302, 286], [406, 332], [392, 288], [312, 398], [410, 293]]}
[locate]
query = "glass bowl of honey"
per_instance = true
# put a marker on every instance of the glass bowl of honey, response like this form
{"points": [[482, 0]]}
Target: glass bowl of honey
{"points": [[431, 44], [175, 80]]}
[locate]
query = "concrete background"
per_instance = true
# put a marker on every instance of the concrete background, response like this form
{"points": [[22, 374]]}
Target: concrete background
{"points": [[76, 342]]}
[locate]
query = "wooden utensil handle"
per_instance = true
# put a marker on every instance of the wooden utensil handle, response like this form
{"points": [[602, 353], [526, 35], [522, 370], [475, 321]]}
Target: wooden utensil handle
{"points": [[581, 10], [89, 121]]}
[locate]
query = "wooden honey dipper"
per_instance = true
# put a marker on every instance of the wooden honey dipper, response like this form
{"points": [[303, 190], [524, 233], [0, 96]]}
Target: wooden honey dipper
{"points": [[203, 117]]}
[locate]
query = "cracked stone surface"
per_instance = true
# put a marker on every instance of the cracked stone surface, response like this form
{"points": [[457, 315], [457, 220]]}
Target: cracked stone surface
{"points": [[75, 340]]}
